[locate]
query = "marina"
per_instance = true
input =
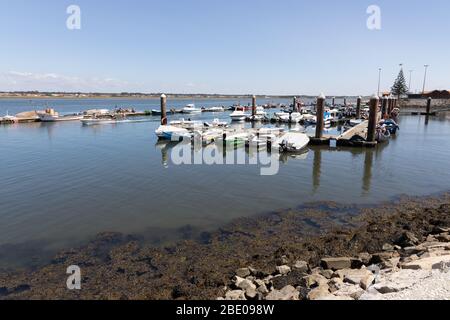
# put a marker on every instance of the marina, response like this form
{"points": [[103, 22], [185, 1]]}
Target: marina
{"points": [[142, 191]]}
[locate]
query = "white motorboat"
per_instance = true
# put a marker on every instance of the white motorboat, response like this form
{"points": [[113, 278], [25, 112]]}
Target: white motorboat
{"points": [[238, 114], [382, 134], [309, 118], [10, 119], [191, 109], [292, 142], [287, 117], [173, 133], [215, 109], [235, 137], [187, 124], [211, 135], [216, 123], [260, 111]]}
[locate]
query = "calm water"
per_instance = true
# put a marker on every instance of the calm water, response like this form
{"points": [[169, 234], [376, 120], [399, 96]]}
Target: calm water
{"points": [[63, 183]]}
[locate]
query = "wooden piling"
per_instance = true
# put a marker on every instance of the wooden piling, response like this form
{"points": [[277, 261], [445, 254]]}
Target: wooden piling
{"points": [[373, 111], [345, 102], [253, 106], [384, 107], [358, 107], [389, 104], [294, 104], [333, 102], [429, 106], [319, 116], [163, 109]]}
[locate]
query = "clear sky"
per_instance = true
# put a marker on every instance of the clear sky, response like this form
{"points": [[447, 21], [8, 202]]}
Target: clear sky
{"points": [[222, 46]]}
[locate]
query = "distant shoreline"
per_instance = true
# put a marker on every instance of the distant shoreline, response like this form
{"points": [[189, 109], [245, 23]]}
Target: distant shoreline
{"points": [[147, 97]]}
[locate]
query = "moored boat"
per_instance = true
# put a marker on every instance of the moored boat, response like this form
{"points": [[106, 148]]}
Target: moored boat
{"points": [[238, 114], [173, 133], [292, 142], [9, 119], [51, 116], [191, 109]]}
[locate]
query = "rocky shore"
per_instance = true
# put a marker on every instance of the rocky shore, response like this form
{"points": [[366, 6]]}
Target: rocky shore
{"points": [[394, 250], [406, 270]]}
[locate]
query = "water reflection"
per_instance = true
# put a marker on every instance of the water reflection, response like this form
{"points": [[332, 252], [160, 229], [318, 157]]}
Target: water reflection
{"points": [[367, 176], [317, 169]]}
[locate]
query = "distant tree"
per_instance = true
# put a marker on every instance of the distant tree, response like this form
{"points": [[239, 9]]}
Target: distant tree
{"points": [[400, 88]]}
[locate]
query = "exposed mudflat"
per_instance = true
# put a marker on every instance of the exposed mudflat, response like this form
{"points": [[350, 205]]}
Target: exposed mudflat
{"points": [[116, 266]]}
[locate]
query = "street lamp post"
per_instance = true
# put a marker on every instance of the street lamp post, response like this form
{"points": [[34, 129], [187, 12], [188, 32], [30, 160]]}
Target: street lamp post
{"points": [[425, 78], [379, 80]]}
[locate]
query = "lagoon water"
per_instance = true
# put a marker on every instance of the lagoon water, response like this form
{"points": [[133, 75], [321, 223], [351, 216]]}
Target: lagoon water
{"points": [[63, 183]]}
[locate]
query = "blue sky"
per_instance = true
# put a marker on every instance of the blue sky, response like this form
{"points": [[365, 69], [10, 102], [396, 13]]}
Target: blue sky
{"points": [[218, 46]]}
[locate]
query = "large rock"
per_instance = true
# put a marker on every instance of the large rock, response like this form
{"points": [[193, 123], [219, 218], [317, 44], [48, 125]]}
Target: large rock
{"points": [[384, 258], [365, 258], [319, 292], [244, 284], [287, 293], [293, 278], [427, 263], [301, 266], [262, 288], [407, 239], [444, 237], [390, 282], [326, 273], [361, 277], [349, 290], [235, 295], [251, 293], [336, 263], [315, 280], [283, 269], [243, 272]]}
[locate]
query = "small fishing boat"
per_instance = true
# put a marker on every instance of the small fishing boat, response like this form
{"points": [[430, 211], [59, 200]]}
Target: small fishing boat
{"points": [[391, 125], [263, 136], [238, 138], [382, 134], [309, 119], [191, 109], [156, 112], [289, 117], [187, 124], [238, 114], [173, 133], [211, 136], [292, 142], [216, 123], [215, 109], [9, 119], [51, 116]]}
